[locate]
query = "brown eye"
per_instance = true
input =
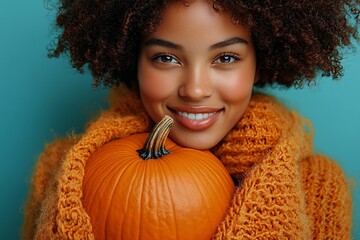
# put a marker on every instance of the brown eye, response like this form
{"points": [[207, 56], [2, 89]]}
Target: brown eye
{"points": [[226, 58], [165, 59]]}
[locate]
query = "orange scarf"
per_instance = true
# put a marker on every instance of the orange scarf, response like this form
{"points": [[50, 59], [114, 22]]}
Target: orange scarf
{"points": [[269, 152]]}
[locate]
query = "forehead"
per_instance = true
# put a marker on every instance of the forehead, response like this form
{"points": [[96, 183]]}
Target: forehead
{"points": [[196, 19]]}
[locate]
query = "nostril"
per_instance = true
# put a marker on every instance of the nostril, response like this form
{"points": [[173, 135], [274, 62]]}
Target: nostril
{"points": [[196, 91]]}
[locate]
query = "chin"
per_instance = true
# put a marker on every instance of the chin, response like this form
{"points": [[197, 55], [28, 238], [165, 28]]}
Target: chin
{"points": [[195, 144]]}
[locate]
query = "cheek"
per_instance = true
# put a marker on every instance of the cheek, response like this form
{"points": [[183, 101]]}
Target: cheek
{"points": [[153, 86], [236, 87]]}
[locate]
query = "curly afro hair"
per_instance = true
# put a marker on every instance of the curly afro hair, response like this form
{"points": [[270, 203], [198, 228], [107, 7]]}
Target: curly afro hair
{"points": [[294, 39]]}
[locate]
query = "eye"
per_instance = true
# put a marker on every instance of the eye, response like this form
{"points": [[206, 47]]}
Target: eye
{"points": [[165, 58], [227, 58]]}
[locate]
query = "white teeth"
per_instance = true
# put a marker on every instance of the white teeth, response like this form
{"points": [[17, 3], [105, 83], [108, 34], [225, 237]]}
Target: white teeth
{"points": [[195, 116], [191, 116]]}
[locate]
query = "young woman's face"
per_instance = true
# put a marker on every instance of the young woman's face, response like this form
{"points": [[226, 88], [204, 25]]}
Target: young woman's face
{"points": [[199, 68]]}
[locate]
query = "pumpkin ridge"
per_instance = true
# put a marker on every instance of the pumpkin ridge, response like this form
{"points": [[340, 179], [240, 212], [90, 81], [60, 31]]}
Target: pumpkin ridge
{"points": [[144, 168], [168, 198], [219, 177], [129, 166], [189, 175], [93, 168], [106, 165], [204, 169], [94, 180], [201, 191], [214, 174], [171, 196], [115, 186]]}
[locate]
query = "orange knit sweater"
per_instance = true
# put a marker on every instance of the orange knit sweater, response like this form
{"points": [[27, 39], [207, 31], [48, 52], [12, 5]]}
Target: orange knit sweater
{"points": [[284, 190]]}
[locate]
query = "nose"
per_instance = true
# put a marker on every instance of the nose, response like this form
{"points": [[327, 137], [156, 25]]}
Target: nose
{"points": [[196, 84]]}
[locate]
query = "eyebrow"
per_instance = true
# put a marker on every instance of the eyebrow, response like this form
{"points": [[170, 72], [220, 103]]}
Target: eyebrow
{"points": [[168, 44], [162, 43], [228, 42]]}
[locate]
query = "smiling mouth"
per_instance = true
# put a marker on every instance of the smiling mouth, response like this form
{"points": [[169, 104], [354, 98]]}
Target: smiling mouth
{"points": [[196, 116]]}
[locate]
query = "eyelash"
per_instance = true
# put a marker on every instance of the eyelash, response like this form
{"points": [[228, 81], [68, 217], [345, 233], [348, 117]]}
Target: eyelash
{"points": [[157, 58], [169, 57], [235, 58]]}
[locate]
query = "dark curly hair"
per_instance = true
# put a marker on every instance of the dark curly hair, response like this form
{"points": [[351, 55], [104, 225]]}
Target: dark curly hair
{"points": [[294, 39]]}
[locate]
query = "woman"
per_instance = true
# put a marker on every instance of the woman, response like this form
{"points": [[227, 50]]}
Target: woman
{"points": [[198, 62]]}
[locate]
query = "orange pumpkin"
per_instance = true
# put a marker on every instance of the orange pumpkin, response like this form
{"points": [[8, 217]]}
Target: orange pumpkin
{"points": [[183, 194]]}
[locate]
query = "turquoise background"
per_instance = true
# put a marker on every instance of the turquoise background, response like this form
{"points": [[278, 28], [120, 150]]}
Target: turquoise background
{"points": [[42, 99]]}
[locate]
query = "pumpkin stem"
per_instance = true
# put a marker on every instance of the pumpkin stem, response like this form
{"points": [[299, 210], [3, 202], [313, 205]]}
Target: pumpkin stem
{"points": [[154, 146]]}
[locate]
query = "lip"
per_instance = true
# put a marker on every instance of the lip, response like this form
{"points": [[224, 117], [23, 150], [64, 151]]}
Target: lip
{"points": [[208, 116]]}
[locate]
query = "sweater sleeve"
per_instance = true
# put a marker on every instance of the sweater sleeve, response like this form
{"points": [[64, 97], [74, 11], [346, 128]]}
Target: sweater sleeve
{"points": [[328, 199], [45, 169]]}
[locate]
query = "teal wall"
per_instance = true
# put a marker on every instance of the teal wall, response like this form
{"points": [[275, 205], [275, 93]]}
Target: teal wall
{"points": [[43, 98]]}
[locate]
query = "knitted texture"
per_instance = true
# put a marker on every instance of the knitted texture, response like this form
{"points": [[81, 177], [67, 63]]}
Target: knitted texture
{"points": [[45, 173], [284, 191], [322, 180], [270, 141]]}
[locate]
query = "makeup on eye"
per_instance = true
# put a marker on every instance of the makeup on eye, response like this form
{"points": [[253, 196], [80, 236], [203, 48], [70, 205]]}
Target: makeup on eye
{"points": [[228, 48], [227, 58], [223, 58], [165, 58]]}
